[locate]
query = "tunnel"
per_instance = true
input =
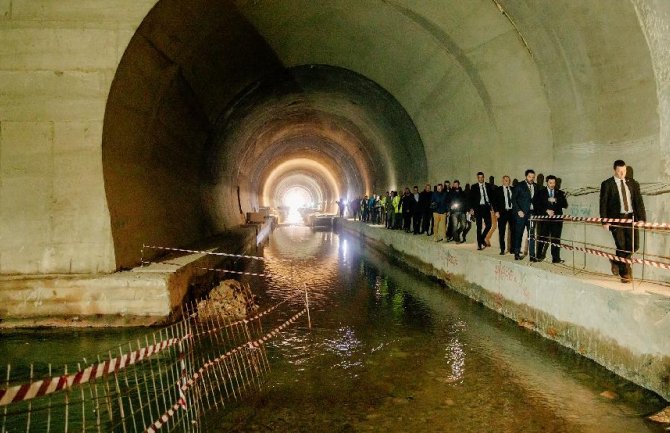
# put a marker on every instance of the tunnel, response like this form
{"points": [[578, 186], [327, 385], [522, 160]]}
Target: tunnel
{"points": [[143, 142], [218, 108]]}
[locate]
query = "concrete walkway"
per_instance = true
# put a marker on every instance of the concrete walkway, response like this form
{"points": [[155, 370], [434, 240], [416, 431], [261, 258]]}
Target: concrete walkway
{"points": [[624, 327]]}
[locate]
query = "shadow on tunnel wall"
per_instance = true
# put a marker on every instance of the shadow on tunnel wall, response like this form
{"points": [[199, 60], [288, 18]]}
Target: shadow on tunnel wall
{"points": [[189, 141]]}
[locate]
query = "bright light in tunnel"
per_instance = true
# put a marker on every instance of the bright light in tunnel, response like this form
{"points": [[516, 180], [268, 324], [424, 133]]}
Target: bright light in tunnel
{"points": [[296, 198]]}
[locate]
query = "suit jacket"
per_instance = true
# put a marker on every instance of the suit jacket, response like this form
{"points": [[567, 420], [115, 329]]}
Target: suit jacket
{"points": [[475, 196], [424, 200], [541, 202], [610, 204], [521, 199], [408, 204], [499, 198]]}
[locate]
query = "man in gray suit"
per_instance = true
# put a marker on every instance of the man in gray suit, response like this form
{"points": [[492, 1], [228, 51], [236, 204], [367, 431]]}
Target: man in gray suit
{"points": [[620, 197]]}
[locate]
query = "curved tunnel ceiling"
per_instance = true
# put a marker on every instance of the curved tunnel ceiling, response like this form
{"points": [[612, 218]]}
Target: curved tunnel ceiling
{"points": [[212, 96]]}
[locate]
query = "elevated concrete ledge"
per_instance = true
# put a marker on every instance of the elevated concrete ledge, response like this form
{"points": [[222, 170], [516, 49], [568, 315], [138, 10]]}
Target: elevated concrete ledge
{"points": [[142, 296], [624, 328]]}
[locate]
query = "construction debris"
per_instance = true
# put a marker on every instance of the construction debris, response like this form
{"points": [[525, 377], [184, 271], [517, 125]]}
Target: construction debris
{"points": [[230, 299]]}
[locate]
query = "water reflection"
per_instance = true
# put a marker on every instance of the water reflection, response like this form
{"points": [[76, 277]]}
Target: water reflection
{"points": [[391, 351], [347, 348]]}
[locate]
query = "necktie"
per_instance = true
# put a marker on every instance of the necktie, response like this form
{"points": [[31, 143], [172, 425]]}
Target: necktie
{"points": [[532, 190], [483, 192], [625, 197], [509, 198], [551, 193]]}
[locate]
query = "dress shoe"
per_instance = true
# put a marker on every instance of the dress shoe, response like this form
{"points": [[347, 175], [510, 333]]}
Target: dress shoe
{"points": [[615, 269], [557, 261], [488, 243], [480, 248], [502, 253], [626, 279], [534, 260], [517, 257]]}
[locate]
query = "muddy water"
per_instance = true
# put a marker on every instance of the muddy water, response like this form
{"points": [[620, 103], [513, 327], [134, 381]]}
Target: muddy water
{"points": [[392, 351]]}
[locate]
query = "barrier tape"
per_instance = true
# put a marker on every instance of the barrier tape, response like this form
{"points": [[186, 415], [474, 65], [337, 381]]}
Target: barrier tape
{"points": [[53, 384], [639, 224], [610, 256], [153, 428], [211, 253]]}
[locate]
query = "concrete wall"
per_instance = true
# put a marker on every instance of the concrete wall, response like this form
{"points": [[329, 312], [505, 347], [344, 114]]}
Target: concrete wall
{"points": [[622, 329], [57, 61]]}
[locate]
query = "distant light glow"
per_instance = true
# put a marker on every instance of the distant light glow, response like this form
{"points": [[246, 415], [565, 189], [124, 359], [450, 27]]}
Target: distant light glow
{"points": [[296, 198]]}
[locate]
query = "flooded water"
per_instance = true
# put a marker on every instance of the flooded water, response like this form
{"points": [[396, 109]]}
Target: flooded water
{"points": [[392, 351]]}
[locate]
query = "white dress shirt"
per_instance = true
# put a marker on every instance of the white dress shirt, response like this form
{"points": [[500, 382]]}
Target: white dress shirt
{"points": [[630, 203]]}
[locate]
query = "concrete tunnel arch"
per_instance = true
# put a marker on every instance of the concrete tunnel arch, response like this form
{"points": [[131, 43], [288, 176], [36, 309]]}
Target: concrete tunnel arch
{"points": [[210, 95]]}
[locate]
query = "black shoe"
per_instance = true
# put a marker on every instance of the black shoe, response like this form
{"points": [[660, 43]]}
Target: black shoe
{"points": [[557, 261], [517, 257], [534, 260], [480, 248], [502, 253], [615, 269]]}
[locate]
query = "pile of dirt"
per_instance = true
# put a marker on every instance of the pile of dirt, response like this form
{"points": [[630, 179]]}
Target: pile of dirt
{"points": [[231, 300]]}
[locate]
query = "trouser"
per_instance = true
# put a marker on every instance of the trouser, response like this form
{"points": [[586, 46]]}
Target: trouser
{"points": [[549, 231], [626, 240], [416, 222], [522, 224], [389, 219], [397, 220], [439, 228], [457, 222], [482, 215], [506, 217], [426, 219], [450, 229], [407, 221], [366, 215], [382, 216]]}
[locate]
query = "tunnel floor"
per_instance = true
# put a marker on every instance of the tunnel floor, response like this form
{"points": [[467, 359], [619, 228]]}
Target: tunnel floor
{"points": [[393, 351]]}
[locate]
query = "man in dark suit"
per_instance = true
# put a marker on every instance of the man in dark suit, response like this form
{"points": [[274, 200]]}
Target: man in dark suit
{"points": [[481, 195], [550, 201], [408, 207], [502, 205], [425, 197], [522, 204], [620, 197]]}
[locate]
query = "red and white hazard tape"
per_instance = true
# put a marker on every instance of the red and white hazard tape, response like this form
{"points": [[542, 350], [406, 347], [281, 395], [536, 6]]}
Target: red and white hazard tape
{"points": [[639, 224], [609, 256], [50, 385], [153, 428], [211, 253]]}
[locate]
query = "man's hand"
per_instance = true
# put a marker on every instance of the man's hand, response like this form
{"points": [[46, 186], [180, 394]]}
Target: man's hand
{"points": [[497, 214], [550, 212], [521, 214], [606, 227]]}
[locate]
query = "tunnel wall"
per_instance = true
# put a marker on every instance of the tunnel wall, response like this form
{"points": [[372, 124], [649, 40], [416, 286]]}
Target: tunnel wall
{"points": [[57, 61], [179, 74], [491, 85]]}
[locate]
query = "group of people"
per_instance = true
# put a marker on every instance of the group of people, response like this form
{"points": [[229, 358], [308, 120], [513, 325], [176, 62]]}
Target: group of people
{"points": [[445, 212]]}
